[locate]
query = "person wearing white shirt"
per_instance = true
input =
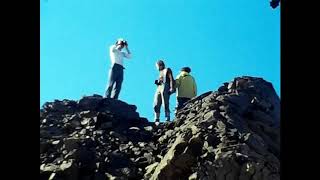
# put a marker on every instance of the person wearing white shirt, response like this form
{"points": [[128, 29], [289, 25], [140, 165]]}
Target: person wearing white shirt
{"points": [[116, 72], [165, 87]]}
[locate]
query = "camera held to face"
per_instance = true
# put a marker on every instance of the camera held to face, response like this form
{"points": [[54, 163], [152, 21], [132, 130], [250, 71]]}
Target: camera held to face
{"points": [[124, 43]]}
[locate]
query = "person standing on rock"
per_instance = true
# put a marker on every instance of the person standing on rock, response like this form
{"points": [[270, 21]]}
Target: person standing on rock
{"points": [[116, 71], [165, 87], [186, 87]]}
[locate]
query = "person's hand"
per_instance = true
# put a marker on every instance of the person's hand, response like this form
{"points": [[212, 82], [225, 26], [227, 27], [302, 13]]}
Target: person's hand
{"points": [[171, 90]]}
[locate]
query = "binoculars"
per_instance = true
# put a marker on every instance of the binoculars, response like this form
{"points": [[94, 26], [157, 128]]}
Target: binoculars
{"points": [[124, 43]]}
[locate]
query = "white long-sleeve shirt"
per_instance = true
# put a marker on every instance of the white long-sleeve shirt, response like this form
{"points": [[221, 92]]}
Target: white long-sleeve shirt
{"points": [[116, 56]]}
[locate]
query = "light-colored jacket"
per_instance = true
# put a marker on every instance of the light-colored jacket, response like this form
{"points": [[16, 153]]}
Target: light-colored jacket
{"points": [[116, 56], [186, 85]]}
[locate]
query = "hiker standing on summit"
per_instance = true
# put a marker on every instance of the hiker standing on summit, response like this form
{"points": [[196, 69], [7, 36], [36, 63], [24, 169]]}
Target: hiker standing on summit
{"points": [[186, 87], [116, 72], [165, 87]]}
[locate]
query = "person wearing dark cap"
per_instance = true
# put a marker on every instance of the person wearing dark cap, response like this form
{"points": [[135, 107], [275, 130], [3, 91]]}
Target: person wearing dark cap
{"points": [[165, 87], [116, 71], [186, 87]]}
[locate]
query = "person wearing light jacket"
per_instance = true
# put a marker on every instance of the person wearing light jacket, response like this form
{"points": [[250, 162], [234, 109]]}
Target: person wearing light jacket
{"points": [[186, 87]]}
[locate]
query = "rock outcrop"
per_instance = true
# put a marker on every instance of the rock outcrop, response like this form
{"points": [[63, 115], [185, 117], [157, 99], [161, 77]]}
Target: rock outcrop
{"points": [[232, 133]]}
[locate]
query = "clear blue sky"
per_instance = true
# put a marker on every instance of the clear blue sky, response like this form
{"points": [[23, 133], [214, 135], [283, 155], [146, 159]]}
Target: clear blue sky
{"points": [[218, 39]]}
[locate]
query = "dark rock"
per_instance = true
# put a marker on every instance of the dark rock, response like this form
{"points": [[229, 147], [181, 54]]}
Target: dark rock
{"points": [[149, 157], [263, 117], [85, 121], [83, 131], [71, 154], [232, 133], [142, 144], [71, 143], [136, 151], [89, 102], [118, 160], [117, 135], [195, 146], [75, 123], [100, 176], [127, 172], [123, 147], [223, 89], [106, 125], [44, 146], [141, 160], [87, 114], [210, 115]]}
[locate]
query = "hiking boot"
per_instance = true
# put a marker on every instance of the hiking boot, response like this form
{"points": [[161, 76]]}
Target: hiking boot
{"points": [[157, 122], [167, 116]]}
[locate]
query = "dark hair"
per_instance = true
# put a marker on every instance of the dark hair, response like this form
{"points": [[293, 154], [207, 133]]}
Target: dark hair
{"points": [[161, 63], [122, 42], [186, 69]]}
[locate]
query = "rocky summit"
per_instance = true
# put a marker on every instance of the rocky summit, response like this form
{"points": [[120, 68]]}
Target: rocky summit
{"points": [[229, 134]]}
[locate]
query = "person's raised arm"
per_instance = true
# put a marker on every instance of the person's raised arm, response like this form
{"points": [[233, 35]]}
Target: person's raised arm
{"points": [[128, 53]]}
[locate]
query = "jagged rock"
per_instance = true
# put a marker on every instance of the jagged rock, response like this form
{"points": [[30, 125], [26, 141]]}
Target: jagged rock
{"points": [[223, 89], [75, 123], [71, 144], [44, 146], [232, 133], [193, 176], [149, 157], [166, 169], [65, 165], [118, 135], [148, 128], [123, 147], [106, 125], [85, 121], [90, 102], [150, 169], [167, 135]]}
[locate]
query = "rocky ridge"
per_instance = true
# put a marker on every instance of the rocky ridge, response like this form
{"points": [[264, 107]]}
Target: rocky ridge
{"points": [[232, 133]]}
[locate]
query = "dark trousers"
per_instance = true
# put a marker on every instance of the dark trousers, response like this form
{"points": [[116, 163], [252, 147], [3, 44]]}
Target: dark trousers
{"points": [[115, 81], [162, 96], [181, 101]]}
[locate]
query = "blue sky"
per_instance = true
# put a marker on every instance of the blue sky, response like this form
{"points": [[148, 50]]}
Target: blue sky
{"points": [[219, 40]]}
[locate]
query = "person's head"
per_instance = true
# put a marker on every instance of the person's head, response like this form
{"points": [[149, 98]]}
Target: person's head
{"points": [[186, 69], [160, 65], [121, 43]]}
